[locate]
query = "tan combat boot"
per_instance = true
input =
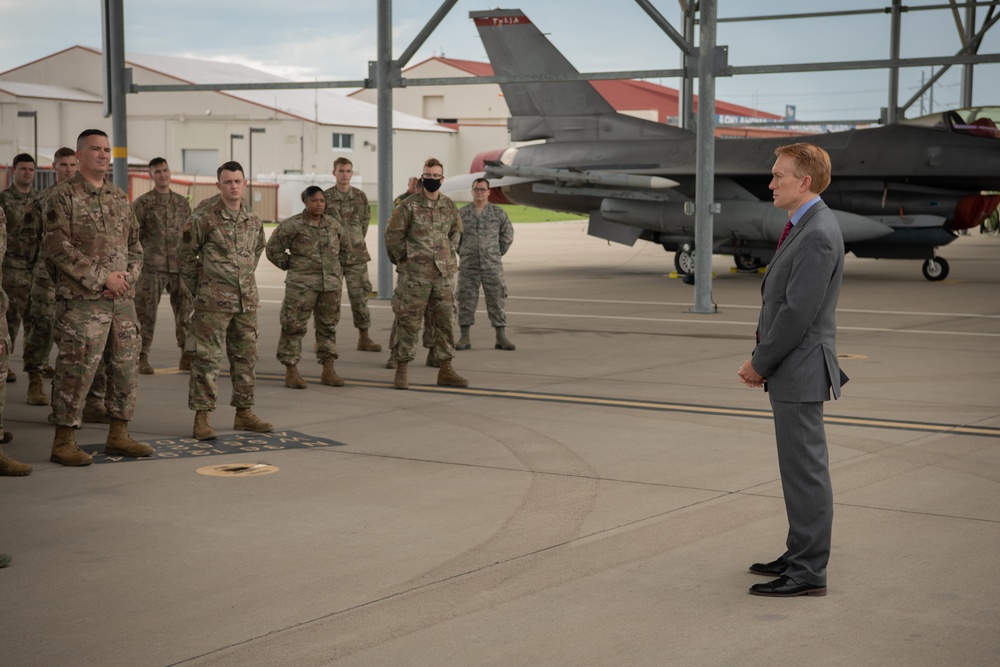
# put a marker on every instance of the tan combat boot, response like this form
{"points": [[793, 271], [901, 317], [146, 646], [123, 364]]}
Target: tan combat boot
{"points": [[292, 378], [120, 443], [432, 359], [144, 367], [400, 381], [330, 376], [366, 344], [246, 420], [391, 363], [185, 363], [202, 428], [447, 377], [11, 468], [502, 342], [11, 376], [464, 343], [65, 451], [94, 412], [36, 390]]}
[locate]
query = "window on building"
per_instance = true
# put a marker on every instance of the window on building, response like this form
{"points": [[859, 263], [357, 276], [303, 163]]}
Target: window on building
{"points": [[200, 161], [343, 141]]}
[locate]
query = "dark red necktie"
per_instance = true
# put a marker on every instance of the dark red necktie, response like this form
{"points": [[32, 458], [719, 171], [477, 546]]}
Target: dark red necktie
{"points": [[784, 234]]}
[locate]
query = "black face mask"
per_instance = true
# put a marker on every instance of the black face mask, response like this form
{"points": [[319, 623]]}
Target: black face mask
{"points": [[431, 184]]}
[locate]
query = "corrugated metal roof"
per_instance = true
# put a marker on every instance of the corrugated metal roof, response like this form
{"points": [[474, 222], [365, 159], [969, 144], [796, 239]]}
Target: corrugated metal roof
{"points": [[323, 106]]}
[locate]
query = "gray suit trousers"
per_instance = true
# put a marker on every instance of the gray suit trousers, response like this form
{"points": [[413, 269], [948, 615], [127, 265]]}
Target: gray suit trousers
{"points": [[805, 481]]}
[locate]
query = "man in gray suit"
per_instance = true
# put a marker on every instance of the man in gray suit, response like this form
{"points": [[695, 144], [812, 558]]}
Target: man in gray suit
{"points": [[795, 361]]}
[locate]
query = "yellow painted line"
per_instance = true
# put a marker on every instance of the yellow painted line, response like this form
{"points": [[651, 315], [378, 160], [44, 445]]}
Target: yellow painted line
{"points": [[568, 399]]}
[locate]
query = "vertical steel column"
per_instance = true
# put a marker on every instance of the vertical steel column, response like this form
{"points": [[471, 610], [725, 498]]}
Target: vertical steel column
{"points": [[705, 194], [116, 53], [970, 31], [686, 99], [383, 68], [892, 110]]}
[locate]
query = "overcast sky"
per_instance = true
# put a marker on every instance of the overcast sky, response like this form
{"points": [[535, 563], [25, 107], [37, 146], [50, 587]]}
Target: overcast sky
{"points": [[335, 39]]}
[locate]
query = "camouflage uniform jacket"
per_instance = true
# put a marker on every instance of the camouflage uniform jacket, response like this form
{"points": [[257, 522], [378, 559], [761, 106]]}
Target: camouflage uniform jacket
{"points": [[352, 211], [310, 253], [14, 204], [218, 255], [486, 236], [161, 218], [422, 236], [209, 201], [4, 337], [87, 233], [30, 234]]}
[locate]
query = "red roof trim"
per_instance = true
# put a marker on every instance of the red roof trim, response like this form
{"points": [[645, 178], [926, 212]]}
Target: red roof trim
{"points": [[622, 94]]}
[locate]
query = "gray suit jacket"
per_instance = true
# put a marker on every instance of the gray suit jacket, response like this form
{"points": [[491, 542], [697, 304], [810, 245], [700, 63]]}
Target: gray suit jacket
{"points": [[797, 352]]}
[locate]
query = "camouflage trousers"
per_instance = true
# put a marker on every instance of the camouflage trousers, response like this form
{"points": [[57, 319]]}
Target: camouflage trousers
{"points": [[4, 362], [99, 387], [208, 332], [40, 322], [147, 301], [87, 332], [297, 306], [469, 280], [413, 296], [358, 289], [17, 285], [428, 338]]}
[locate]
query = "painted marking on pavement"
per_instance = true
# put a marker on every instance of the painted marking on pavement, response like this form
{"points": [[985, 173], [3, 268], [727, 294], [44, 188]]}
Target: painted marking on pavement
{"points": [[690, 408]]}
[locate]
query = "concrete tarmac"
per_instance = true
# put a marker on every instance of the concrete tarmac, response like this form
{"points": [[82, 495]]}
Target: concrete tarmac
{"points": [[594, 498]]}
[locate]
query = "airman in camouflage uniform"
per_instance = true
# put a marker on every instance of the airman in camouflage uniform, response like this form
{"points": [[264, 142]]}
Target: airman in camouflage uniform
{"points": [[220, 247], [161, 214], [349, 206], [422, 239], [91, 239], [16, 277], [40, 322], [8, 466], [310, 246], [40, 319], [486, 237], [412, 188]]}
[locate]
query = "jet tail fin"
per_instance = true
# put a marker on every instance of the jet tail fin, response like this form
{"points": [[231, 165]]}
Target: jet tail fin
{"points": [[552, 110]]}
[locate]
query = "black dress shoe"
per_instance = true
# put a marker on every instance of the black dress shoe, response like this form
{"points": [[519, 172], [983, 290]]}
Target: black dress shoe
{"points": [[786, 587], [775, 568]]}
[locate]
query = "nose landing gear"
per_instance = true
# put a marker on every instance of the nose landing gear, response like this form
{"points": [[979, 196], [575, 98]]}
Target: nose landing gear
{"points": [[935, 268]]}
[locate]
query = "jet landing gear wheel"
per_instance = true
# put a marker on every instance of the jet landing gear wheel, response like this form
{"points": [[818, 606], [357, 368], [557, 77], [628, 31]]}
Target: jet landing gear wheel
{"points": [[747, 262], [936, 268], [684, 259]]}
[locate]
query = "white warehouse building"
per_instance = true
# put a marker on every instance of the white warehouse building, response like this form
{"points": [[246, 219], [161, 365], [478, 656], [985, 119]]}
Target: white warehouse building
{"points": [[304, 130]]}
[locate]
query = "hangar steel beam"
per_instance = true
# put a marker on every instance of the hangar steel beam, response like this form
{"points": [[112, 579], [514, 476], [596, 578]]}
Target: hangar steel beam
{"points": [[686, 97], [680, 40], [966, 33], [705, 163], [431, 26], [852, 12], [728, 70], [114, 63], [892, 107], [384, 66], [973, 43]]}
